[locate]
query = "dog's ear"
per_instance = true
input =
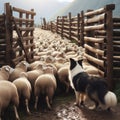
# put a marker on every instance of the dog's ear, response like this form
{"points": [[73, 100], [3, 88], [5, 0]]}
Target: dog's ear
{"points": [[80, 62], [72, 63]]}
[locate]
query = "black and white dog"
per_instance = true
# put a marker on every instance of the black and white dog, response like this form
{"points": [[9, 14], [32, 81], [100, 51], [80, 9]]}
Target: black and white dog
{"points": [[95, 88]]}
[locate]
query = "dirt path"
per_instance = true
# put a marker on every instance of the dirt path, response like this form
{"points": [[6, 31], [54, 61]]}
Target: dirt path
{"points": [[64, 109]]}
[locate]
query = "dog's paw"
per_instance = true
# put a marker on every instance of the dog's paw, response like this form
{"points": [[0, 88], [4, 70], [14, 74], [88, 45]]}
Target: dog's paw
{"points": [[76, 104], [92, 107]]}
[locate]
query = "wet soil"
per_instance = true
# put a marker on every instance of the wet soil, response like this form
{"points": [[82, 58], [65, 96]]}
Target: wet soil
{"points": [[63, 108]]}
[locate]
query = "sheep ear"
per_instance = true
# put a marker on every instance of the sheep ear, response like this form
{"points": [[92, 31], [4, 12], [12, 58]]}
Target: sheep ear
{"points": [[6, 68]]}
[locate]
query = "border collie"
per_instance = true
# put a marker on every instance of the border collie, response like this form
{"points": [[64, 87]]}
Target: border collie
{"points": [[95, 88]]}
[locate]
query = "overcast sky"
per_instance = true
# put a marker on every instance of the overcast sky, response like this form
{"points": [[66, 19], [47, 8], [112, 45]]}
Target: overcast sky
{"points": [[43, 8]]}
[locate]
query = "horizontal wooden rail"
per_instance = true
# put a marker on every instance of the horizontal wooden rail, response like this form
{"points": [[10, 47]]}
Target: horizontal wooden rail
{"points": [[23, 11]]}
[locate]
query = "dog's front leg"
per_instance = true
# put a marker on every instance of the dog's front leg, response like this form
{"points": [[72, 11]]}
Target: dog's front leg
{"points": [[77, 94]]}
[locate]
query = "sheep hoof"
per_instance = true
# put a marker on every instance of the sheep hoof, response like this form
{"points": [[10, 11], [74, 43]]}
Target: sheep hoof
{"points": [[18, 118], [29, 113], [49, 108]]}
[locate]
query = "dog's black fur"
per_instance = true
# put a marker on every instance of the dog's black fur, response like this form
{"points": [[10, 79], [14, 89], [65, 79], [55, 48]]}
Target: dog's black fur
{"points": [[95, 87]]}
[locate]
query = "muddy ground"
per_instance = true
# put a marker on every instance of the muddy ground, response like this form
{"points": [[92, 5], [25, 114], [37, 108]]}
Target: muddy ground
{"points": [[63, 108]]}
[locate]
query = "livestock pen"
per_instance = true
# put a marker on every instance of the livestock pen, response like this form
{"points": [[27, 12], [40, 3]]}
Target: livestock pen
{"points": [[92, 30], [16, 35], [98, 32]]}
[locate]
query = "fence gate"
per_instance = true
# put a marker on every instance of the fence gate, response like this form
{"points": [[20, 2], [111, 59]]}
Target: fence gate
{"points": [[19, 34]]}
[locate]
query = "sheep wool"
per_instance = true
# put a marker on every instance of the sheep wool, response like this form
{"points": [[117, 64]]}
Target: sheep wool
{"points": [[45, 85], [8, 94], [64, 77], [5, 72], [20, 67], [24, 88]]}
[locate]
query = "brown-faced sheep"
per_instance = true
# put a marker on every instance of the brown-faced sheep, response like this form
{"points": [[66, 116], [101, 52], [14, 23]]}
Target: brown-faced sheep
{"points": [[20, 67], [8, 94], [24, 88], [45, 85]]}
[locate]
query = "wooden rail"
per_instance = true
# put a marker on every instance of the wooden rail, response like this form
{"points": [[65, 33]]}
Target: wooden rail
{"points": [[17, 35], [99, 33]]}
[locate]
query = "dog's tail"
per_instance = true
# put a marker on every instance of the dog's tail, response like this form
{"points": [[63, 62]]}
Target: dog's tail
{"points": [[110, 99]]}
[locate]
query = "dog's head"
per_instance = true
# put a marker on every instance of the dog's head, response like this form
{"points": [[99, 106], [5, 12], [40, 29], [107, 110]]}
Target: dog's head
{"points": [[75, 66], [74, 63]]}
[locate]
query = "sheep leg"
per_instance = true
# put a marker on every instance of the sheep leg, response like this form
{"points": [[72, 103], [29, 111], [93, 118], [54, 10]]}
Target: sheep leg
{"points": [[36, 102], [16, 113], [26, 103], [48, 104], [0, 115], [67, 86]]}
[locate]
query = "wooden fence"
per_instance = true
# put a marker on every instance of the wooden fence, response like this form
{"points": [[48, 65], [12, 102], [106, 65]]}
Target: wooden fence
{"points": [[99, 33], [18, 34], [2, 40], [116, 48]]}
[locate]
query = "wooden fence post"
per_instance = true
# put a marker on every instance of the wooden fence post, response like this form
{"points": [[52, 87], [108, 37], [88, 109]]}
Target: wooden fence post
{"points": [[9, 33], [51, 27], [69, 26], [109, 36], [32, 40], [62, 26], [82, 28], [78, 29], [44, 23], [57, 25]]}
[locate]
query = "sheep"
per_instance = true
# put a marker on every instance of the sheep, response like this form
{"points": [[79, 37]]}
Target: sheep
{"points": [[33, 65], [8, 94], [91, 70], [63, 76], [45, 85], [59, 62], [20, 67], [24, 88], [54, 68], [5, 72], [33, 74]]}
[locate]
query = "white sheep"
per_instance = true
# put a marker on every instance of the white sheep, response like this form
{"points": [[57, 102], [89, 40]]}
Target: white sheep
{"points": [[45, 85], [5, 72], [20, 67], [8, 94], [33, 74], [63, 77], [33, 65], [24, 88]]}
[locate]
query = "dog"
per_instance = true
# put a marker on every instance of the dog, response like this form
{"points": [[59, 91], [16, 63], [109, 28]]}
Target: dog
{"points": [[95, 88]]}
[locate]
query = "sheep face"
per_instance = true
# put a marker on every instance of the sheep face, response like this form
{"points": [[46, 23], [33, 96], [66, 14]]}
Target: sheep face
{"points": [[23, 64], [5, 71], [48, 70]]}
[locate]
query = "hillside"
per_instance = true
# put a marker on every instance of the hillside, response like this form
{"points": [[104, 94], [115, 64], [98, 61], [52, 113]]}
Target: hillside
{"points": [[79, 5]]}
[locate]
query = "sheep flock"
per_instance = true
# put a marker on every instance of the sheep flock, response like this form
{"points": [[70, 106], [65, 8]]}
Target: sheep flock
{"points": [[43, 77]]}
